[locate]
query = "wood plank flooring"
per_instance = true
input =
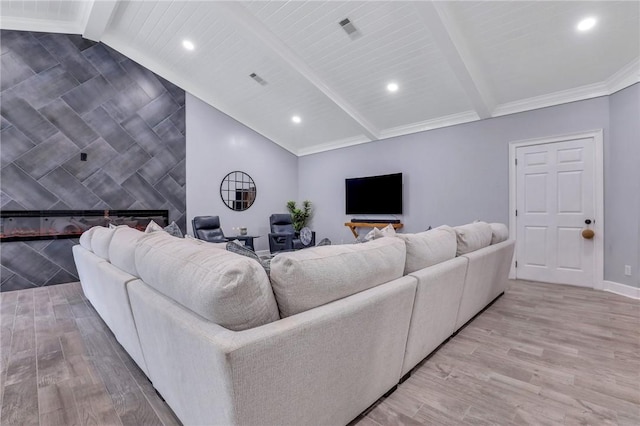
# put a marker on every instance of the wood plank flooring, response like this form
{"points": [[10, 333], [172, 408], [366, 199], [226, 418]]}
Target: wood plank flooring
{"points": [[542, 354]]}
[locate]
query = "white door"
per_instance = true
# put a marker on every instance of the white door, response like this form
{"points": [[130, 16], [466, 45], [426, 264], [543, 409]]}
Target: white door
{"points": [[555, 196]]}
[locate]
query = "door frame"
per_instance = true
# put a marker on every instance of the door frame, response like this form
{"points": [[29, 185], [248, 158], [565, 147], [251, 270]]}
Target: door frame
{"points": [[597, 136]]}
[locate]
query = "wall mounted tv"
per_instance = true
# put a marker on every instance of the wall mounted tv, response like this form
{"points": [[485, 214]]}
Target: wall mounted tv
{"points": [[374, 194]]}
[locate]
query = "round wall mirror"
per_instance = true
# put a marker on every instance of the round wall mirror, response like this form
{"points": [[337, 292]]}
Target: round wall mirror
{"points": [[238, 191]]}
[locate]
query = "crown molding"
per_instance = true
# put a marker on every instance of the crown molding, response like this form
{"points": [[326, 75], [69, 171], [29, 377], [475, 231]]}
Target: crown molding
{"points": [[329, 146], [628, 75], [25, 24], [435, 123], [562, 97]]}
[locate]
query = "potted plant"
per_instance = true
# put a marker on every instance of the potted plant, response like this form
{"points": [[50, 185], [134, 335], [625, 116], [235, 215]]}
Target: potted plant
{"points": [[299, 216]]}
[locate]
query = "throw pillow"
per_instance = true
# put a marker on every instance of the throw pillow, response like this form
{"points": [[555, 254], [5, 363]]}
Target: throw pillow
{"points": [[387, 231], [173, 229], [324, 242], [153, 227], [237, 247]]}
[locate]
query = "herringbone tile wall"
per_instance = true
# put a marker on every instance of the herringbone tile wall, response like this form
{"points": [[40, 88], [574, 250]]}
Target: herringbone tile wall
{"points": [[63, 95]]}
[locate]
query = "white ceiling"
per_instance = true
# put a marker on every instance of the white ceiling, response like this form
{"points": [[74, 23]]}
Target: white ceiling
{"points": [[453, 61]]}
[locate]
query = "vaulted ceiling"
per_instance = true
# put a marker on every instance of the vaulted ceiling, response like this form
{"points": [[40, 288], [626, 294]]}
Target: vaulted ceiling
{"points": [[453, 62]]}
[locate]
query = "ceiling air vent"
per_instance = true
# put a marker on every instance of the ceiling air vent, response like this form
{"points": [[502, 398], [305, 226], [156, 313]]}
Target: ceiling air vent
{"points": [[349, 28], [259, 79]]}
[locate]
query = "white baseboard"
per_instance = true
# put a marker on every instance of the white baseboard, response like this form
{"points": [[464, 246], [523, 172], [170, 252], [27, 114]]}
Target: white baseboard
{"points": [[622, 289]]}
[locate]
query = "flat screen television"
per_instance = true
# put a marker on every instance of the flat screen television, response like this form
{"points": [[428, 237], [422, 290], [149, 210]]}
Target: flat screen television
{"points": [[374, 194]]}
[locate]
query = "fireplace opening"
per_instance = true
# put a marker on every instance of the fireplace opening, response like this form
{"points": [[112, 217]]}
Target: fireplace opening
{"points": [[29, 225]]}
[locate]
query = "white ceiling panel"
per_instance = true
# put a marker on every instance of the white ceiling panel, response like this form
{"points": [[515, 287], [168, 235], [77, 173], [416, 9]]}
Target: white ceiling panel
{"points": [[453, 61], [393, 46], [529, 49]]}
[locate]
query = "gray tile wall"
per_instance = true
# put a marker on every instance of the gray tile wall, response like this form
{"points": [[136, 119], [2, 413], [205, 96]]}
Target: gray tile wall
{"points": [[63, 95]]}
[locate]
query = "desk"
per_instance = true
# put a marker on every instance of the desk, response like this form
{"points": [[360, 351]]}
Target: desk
{"points": [[354, 225], [246, 239]]}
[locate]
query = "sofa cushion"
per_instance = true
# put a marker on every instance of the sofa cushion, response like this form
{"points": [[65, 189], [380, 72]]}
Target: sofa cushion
{"points": [[499, 233], [429, 248], [123, 248], [232, 291], [100, 241], [315, 276], [472, 237], [85, 238]]}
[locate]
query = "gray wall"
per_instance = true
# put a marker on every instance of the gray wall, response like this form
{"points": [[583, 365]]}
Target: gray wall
{"points": [[217, 145], [63, 95], [622, 192], [458, 174]]}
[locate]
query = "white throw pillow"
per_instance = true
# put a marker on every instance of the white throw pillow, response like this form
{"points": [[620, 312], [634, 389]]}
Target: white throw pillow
{"points": [[429, 248], [375, 233], [499, 233], [304, 279], [153, 227], [472, 237]]}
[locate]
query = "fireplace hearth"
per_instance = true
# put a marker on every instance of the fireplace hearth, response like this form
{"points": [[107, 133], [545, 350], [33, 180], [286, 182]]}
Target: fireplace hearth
{"points": [[30, 225]]}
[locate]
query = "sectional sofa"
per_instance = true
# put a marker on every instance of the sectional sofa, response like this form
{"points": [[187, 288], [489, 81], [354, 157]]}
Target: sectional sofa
{"points": [[330, 331]]}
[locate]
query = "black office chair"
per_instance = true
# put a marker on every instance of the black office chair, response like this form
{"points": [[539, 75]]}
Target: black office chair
{"points": [[283, 236], [207, 228]]}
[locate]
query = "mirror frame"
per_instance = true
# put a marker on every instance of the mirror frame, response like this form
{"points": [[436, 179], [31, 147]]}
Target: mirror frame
{"points": [[235, 204]]}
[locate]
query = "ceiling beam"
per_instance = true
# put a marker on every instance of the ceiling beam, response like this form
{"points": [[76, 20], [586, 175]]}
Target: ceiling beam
{"points": [[252, 25], [439, 21], [98, 17]]}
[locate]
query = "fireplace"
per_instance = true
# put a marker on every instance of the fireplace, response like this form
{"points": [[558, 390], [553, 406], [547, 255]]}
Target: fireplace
{"points": [[29, 225]]}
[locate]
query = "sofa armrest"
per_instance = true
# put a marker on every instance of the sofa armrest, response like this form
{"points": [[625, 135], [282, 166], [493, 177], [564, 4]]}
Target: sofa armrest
{"points": [[322, 366]]}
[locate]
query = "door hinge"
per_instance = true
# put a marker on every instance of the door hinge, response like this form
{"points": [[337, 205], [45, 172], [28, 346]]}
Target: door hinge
{"points": [[516, 263], [516, 212], [516, 161]]}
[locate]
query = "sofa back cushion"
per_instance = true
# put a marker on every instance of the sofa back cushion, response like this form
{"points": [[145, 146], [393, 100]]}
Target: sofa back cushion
{"points": [[85, 238], [100, 241], [122, 249], [232, 291], [429, 248], [472, 237], [315, 276], [499, 233]]}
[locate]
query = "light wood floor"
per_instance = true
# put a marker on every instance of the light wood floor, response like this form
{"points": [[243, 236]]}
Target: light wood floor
{"points": [[542, 354]]}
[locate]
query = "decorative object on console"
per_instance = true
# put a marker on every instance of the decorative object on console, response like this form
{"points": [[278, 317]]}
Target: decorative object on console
{"points": [[375, 233], [301, 216], [238, 191], [306, 236], [354, 225]]}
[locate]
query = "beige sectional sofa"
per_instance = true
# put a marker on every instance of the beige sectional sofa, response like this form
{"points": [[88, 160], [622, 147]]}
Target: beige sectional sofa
{"points": [[328, 333]]}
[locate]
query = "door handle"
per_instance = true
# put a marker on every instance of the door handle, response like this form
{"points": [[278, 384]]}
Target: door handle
{"points": [[587, 233]]}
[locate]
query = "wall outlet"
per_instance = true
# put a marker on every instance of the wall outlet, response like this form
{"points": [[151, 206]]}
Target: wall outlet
{"points": [[627, 270]]}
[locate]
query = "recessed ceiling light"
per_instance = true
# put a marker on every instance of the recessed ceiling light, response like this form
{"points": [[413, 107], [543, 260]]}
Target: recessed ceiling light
{"points": [[586, 24], [392, 87], [188, 45], [296, 119]]}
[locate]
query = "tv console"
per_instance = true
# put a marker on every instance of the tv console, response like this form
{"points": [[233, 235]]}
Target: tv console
{"points": [[354, 220], [354, 225]]}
